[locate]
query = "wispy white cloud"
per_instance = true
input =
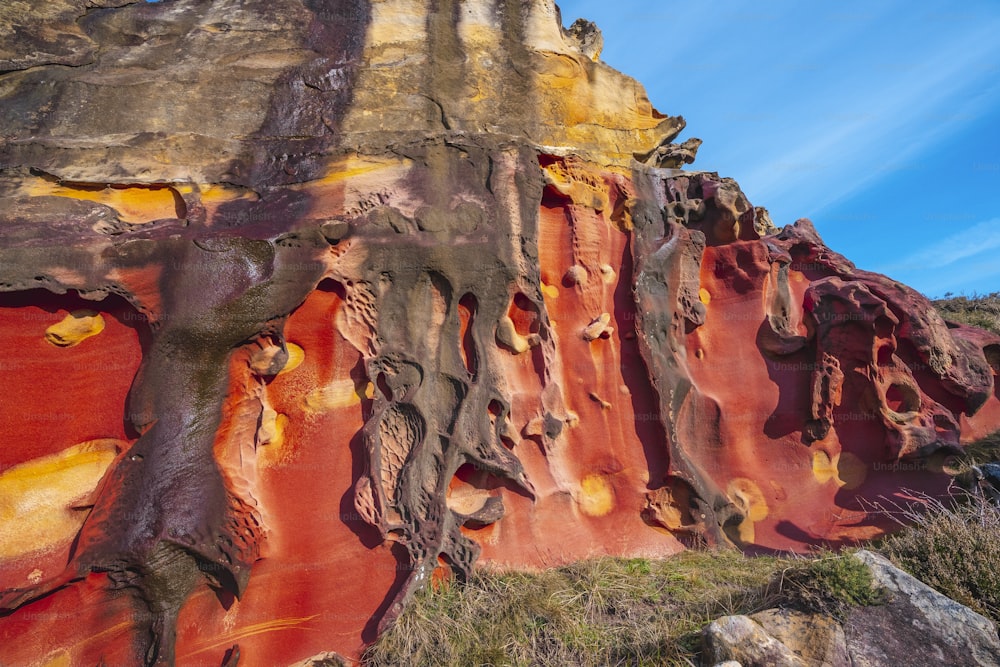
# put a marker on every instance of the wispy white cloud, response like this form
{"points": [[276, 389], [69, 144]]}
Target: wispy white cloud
{"points": [[944, 252], [935, 98], [974, 275], [965, 261], [815, 107], [806, 105]]}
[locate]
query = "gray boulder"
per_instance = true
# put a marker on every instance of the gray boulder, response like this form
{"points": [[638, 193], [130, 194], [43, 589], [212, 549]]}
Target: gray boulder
{"points": [[916, 627]]}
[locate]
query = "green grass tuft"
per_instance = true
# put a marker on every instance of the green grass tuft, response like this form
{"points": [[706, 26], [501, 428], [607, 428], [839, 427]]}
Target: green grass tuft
{"points": [[829, 584]]}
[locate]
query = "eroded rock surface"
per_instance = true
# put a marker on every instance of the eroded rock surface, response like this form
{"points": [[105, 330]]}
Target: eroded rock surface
{"points": [[308, 303]]}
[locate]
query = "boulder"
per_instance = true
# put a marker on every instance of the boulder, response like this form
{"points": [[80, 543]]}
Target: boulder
{"points": [[918, 626], [741, 640], [817, 639], [915, 626]]}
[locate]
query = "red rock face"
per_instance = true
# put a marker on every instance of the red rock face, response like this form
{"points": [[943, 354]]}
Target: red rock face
{"points": [[809, 392], [267, 379]]}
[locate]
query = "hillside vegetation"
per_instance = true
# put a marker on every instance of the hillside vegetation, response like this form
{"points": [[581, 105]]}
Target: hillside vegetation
{"points": [[980, 311], [611, 611]]}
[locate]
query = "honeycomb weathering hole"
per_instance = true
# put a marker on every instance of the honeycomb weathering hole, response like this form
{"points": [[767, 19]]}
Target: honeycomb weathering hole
{"points": [[383, 386], [902, 398], [466, 313], [468, 490], [992, 353], [884, 327], [524, 314]]}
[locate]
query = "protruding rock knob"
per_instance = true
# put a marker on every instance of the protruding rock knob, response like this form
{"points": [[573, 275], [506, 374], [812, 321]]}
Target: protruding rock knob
{"points": [[334, 230]]}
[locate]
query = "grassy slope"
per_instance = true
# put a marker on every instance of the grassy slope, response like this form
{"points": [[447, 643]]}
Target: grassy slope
{"points": [[979, 311], [610, 611], [606, 611]]}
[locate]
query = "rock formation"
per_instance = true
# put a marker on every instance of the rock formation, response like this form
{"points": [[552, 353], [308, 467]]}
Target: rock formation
{"points": [[310, 302], [915, 625]]}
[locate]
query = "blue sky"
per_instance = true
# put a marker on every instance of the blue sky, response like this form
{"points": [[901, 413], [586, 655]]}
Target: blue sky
{"points": [[880, 121]]}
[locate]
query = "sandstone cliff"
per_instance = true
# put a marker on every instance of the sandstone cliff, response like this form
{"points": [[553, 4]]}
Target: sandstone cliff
{"points": [[308, 302]]}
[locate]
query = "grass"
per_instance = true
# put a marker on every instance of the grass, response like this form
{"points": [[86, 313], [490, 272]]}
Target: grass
{"points": [[610, 611], [954, 547], [830, 584], [979, 311]]}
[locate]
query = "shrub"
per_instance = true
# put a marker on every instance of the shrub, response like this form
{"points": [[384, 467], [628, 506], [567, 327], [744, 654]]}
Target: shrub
{"points": [[830, 584], [954, 548], [975, 310]]}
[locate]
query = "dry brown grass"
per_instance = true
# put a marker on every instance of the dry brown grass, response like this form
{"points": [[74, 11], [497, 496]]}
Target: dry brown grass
{"points": [[600, 612], [979, 311], [609, 611], [952, 546]]}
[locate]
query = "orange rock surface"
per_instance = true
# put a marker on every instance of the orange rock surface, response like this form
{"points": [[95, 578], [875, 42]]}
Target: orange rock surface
{"points": [[309, 303]]}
